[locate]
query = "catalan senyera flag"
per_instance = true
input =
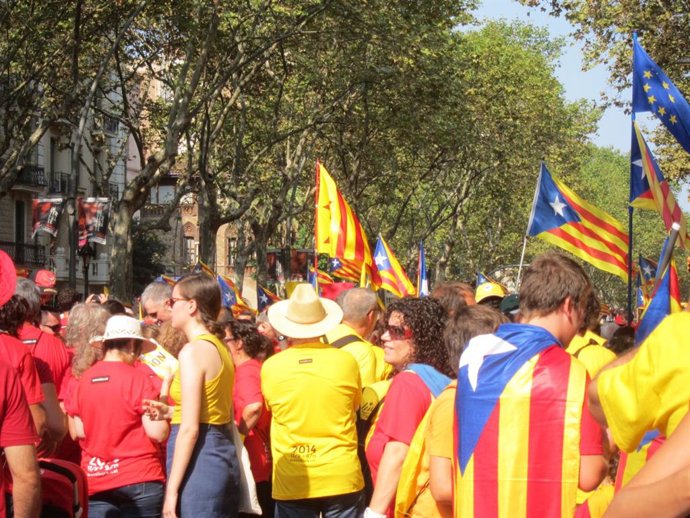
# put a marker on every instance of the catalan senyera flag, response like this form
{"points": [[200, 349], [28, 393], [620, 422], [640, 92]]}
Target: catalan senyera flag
{"points": [[664, 201], [518, 410], [338, 230], [562, 218], [393, 277]]}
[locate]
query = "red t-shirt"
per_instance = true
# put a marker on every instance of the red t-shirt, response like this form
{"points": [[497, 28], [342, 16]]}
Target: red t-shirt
{"points": [[247, 390], [16, 426], [50, 354], [404, 407], [17, 356], [116, 451]]}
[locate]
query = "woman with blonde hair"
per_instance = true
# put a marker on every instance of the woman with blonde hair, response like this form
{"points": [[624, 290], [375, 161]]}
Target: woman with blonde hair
{"points": [[203, 471]]}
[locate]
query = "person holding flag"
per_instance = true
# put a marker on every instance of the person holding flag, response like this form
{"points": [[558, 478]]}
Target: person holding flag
{"points": [[521, 405]]}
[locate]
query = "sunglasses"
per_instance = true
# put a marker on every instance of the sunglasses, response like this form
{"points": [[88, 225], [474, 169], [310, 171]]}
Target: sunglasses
{"points": [[171, 301], [399, 332]]}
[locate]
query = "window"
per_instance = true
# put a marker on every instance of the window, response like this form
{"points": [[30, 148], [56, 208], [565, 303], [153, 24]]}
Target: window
{"points": [[110, 124], [232, 250], [189, 250]]}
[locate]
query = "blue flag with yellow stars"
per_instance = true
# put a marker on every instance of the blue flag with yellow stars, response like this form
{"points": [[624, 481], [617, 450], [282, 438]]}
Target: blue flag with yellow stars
{"points": [[653, 91]]}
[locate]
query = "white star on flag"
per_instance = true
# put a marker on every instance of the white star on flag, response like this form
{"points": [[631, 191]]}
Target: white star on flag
{"points": [[264, 298], [558, 207], [381, 260], [638, 163], [647, 271], [479, 348]]}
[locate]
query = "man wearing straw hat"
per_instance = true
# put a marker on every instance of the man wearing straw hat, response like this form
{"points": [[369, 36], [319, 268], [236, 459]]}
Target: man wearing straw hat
{"points": [[313, 391]]}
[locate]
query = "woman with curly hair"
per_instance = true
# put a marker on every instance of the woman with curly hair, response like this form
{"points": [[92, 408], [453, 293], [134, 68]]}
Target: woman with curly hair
{"points": [[413, 344], [203, 471], [249, 349]]}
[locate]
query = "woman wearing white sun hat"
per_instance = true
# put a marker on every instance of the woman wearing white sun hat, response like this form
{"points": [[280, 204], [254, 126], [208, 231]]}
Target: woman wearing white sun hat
{"points": [[122, 462]]}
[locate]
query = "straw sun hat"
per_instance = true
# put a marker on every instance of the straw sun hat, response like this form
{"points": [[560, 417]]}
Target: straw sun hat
{"points": [[304, 314], [121, 327]]}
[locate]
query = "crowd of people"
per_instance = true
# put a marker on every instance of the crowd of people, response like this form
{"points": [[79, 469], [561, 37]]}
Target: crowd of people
{"points": [[469, 402]]}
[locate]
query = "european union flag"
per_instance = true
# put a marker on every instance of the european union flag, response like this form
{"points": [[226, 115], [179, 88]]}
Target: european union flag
{"points": [[653, 91]]}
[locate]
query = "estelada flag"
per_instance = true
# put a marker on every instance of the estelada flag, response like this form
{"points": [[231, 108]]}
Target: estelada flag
{"points": [[518, 412], [338, 231], [662, 196], [393, 277], [562, 218]]}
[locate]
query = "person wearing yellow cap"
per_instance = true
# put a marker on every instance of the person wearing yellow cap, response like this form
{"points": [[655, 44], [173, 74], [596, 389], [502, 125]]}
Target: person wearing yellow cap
{"points": [[490, 294]]}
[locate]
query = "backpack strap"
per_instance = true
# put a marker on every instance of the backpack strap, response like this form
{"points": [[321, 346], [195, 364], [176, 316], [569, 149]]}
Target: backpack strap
{"points": [[345, 340]]}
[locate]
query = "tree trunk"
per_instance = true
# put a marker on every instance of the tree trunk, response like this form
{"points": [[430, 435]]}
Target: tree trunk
{"points": [[121, 253], [209, 223]]}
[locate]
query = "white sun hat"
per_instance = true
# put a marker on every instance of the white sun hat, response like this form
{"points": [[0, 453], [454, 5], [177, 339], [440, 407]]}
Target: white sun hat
{"points": [[123, 327]]}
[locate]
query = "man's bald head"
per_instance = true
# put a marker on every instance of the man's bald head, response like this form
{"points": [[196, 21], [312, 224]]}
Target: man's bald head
{"points": [[358, 305]]}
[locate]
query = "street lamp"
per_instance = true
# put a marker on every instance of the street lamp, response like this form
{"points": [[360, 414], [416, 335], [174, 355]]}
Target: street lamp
{"points": [[86, 252]]}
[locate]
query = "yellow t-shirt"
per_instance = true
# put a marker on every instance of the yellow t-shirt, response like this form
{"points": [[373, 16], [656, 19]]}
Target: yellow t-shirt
{"points": [[216, 398], [651, 391], [361, 350], [313, 391], [590, 350], [383, 370], [439, 436]]}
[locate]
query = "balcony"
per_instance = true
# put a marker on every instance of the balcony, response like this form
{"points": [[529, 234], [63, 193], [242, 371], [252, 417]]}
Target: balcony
{"points": [[154, 211], [99, 269], [31, 256], [31, 178], [60, 183]]}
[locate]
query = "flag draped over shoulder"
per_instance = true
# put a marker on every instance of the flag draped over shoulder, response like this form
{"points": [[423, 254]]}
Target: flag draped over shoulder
{"points": [[653, 91], [662, 197], [393, 277], [562, 218], [518, 410], [422, 281]]}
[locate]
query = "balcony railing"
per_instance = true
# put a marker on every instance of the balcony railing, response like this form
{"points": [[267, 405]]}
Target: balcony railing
{"points": [[32, 176], [114, 189], [60, 183], [99, 269], [23, 254]]}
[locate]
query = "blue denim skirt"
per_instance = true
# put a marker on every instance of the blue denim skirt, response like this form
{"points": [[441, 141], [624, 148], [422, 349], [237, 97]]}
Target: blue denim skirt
{"points": [[210, 487]]}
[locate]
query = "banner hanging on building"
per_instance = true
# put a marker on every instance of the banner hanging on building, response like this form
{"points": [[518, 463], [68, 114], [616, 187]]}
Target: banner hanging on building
{"points": [[94, 214], [46, 212]]}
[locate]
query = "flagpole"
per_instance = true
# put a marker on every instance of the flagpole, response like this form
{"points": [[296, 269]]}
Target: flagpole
{"points": [[522, 258], [316, 226], [529, 224], [668, 253]]}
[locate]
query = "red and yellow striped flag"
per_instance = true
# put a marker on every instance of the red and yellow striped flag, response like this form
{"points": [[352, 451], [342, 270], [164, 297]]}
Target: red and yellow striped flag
{"points": [[519, 407], [562, 218], [338, 230], [393, 277], [664, 201]]}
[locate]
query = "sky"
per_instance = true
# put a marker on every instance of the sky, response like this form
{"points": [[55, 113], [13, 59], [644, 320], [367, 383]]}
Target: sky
{"points": [[614, 125]]}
